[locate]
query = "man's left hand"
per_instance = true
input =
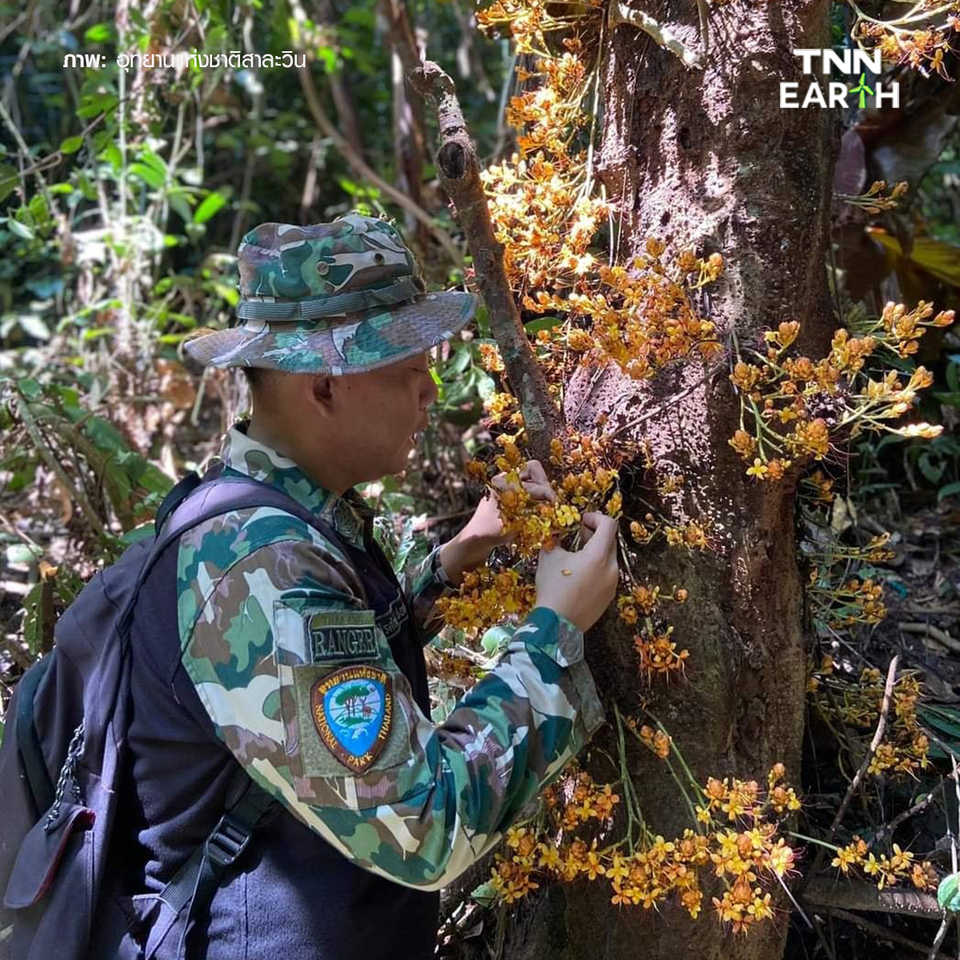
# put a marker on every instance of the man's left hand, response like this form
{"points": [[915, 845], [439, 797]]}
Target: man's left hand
{"points": [[484, 531]]}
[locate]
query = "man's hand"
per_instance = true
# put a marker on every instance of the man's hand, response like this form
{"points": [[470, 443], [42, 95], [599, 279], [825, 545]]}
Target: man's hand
{"points": [[484, 530], [581, 584]]}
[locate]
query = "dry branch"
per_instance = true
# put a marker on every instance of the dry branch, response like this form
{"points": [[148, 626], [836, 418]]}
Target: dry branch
{"points": [[364, 171], [858, 776], [77, 494], [460, 177]]}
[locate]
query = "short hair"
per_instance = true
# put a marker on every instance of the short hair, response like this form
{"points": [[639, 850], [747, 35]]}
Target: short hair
{"points": [[258, 377]]}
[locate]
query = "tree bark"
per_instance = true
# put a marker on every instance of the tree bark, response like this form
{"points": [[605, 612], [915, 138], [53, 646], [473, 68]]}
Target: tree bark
{"points": [[707, 160]]}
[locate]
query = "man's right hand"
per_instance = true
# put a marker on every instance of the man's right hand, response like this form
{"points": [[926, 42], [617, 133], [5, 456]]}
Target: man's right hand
{"points": [[582, 584]]}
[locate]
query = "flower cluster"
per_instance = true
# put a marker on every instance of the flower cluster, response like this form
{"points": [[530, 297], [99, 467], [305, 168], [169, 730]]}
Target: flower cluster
{"points": [[899, 867], [740, 798], [640, 318], [874, 201], [799, 407], [487, 598], [922, 49], [905, 747], [658, 655], [837, 600], [529, 21], [539, 207], [741, 859]]}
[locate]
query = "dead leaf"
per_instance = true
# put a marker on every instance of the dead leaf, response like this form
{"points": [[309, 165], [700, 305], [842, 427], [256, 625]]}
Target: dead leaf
{"points": [[63, 498], [176, 385]]}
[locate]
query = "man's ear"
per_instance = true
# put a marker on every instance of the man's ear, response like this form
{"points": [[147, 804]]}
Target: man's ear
{"points": [[321, 391]]}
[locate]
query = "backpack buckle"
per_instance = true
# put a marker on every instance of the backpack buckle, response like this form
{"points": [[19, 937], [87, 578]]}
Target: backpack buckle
{"points": [[228, 840]]}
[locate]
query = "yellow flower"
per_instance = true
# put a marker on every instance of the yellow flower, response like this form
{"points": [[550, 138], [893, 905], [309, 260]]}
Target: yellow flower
{"points": [[758, 470]]}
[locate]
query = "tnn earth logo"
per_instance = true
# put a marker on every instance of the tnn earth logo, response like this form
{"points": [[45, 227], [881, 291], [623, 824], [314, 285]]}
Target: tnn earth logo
{"points": [[853, 63]]}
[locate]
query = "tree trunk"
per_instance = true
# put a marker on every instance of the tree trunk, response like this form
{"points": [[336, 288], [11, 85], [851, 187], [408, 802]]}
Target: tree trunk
{"points": [[707, 160]]}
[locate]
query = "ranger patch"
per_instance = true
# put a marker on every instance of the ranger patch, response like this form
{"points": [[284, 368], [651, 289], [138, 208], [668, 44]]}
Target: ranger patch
{"points": [[352, 709], [342, 635]]}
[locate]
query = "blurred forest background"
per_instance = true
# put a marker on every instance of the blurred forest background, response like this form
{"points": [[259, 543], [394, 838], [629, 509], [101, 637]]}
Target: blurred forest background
{"points": [[123, 196]]}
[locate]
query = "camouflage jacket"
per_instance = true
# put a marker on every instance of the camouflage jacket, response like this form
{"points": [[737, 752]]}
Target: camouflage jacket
{"points": [[269, 609]]}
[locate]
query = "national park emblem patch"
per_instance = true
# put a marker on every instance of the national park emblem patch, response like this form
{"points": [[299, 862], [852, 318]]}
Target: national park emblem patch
{"points": [[352, 709]]}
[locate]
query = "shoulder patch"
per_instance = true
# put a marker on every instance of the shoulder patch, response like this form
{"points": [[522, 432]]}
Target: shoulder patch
{"points": [[342, 635], [352, 709]]}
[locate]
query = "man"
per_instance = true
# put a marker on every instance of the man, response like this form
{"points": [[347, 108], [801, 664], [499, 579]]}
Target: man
{"points": [[288, 647]]}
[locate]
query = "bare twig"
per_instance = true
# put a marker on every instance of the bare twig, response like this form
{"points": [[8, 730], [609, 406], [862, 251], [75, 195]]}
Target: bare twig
{"points": [[77, 493], [941, 933], [676, 398], [921, 805], [929, 630], [858, 776], [885, 933], [460, 176], [621, 13], [367, 173]]}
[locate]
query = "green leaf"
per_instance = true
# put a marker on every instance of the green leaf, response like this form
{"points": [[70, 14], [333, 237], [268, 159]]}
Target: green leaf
{"points": [[20, 229], [953, 380], [179, 203], [71, 144], [9, 178], [541, 323], [948, 893], [228, 293], [114, 157], [486, 385], [154, 161], [35, 606], [932, 471], [460, 361], [94, 104], [99, 33], [948, 490], [29, 388], [148, 175], [143, 532], [495, 638], [485, 894], [20, 553], [209, 207], [33, 326]]}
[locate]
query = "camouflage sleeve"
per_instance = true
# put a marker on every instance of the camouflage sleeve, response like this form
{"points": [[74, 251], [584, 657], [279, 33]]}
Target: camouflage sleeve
{"points": [[302, 688], [424, 585]]}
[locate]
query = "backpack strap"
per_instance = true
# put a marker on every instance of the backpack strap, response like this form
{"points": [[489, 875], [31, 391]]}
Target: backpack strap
{"points": [[191, 502], [175, 496], [28, 741], [195, 883]]}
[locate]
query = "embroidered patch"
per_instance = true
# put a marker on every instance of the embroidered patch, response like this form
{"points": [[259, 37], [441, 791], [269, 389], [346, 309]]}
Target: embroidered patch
{"points": [[342, 635], [352, 709], [392, 619]]}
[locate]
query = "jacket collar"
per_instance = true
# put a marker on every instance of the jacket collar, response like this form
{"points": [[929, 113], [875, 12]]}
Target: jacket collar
{"points": [[348, 514]]}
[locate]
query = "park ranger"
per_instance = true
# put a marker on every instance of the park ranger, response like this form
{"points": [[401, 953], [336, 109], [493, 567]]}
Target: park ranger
{"points": [[280, 642]]}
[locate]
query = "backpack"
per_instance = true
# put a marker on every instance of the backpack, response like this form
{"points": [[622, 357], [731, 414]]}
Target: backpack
{"points": [[65, 744]]}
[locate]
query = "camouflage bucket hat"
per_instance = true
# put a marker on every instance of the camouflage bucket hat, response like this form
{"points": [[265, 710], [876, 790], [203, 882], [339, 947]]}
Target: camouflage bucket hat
{"points": [[341, 297]]}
